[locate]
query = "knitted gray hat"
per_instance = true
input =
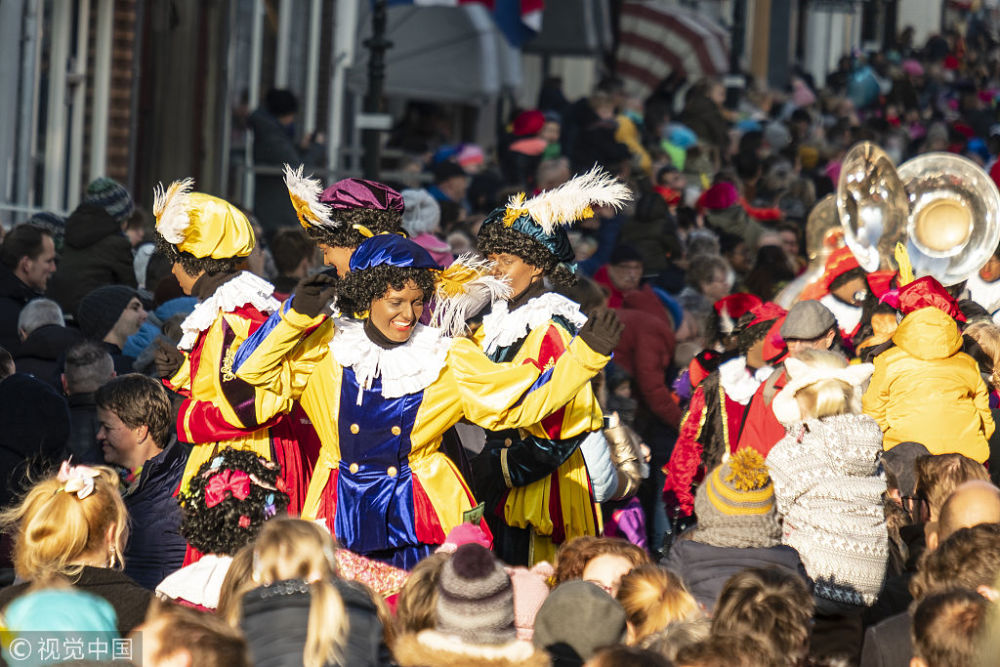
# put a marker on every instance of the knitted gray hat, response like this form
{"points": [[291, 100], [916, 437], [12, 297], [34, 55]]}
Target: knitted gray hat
{"points": [[100, 309], [735, 504], [112, 197], [475, 598]]}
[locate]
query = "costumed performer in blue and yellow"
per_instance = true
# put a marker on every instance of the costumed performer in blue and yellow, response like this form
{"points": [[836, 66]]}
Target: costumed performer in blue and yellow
{"points": [[534, 481], [381, 389], [208, 241]]}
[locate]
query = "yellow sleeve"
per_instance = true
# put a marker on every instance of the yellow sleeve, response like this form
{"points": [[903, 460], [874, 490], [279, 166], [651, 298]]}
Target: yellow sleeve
{"points": [[181, 380], [281, 358], [875, 400], [982, 402], [500, 396]]}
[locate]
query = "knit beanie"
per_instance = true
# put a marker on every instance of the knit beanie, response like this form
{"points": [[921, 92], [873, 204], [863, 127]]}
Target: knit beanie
{"points": [[100, 309], [735, 504], [475, 598], [112, 197]]}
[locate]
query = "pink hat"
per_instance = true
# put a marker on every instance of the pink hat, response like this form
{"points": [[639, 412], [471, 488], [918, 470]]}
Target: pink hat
{"points": [[470, 154], [720, 196], [465, 533], [801, 95], [912, 67], [530, 590]]}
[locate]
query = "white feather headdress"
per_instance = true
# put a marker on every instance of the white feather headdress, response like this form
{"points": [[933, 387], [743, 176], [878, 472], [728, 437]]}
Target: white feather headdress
{"points": [[304, 191], [464, 289], [571, 201], [172, 208]]}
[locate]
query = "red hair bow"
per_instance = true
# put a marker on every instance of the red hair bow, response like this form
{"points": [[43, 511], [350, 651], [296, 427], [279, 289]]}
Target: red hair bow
{"points": [[235, 482]]}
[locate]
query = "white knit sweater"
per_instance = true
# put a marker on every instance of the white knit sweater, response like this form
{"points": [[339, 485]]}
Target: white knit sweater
{"points": [[828, 489]]}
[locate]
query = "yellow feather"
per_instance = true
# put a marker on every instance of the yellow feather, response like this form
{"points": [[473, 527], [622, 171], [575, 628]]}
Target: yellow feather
{"points": [[905, 267]]}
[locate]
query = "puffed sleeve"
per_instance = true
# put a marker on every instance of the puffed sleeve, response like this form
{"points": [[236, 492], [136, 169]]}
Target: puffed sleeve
{"points": [[281, 355], [501, 396]]}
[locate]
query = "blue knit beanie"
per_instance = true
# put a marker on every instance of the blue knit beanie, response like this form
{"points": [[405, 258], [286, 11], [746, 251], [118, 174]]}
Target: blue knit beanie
{"points": [[112, 197]]}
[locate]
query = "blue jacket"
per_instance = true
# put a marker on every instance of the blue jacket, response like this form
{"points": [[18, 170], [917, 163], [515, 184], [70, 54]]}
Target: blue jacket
{"points": [[155, 547]]}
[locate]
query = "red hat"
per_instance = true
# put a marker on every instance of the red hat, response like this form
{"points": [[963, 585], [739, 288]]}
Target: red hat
{"points": [[880, 282], [733, 307], [720, 196], [528, 123], [838, 263], [927, 292], [775, 348], [766, 312]]}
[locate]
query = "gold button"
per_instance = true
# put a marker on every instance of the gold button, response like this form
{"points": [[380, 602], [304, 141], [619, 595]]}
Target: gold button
{"points": [[355, 428], [396, 430], [353, 468], [507, 442], [391, 471]]}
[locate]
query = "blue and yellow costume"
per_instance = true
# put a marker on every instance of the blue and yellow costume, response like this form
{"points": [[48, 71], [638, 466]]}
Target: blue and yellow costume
{"points": [[381, 484], [546, 495]]}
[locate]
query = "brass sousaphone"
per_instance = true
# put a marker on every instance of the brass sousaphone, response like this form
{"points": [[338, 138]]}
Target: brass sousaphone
{"points": [[945, 209]]}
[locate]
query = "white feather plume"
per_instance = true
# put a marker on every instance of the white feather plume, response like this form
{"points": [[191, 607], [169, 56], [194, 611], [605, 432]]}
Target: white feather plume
{"points": [[458, 300], [172, 210], [568, 202], [304, 192]]}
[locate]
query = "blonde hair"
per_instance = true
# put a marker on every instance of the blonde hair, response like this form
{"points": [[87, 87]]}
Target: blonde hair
{"points": [[235, 585], [653, 597], [55, 531], [417, 602], [297, 549], [829, 397], [987, 336]]}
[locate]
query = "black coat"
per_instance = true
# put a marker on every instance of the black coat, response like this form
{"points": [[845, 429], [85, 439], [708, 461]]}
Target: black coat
{"points": [[83, 425], [14, 295], [129, 600], [42, 351], [34, 427], [273, 146], [706, 568], [155, 547], [276, 617], [888, 643], [96, 253]]}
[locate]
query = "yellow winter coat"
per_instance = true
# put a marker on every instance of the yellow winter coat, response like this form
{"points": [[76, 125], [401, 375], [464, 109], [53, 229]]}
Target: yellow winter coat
{"points": [[925, 390]]}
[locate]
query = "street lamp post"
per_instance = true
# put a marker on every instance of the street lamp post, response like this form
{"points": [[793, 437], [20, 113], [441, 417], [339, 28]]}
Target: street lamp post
{"points": [[377, 46], [734, 82]]}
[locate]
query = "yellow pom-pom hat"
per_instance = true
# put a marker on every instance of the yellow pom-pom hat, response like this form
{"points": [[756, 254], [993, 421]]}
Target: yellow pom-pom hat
{"points": [[201, 225]]}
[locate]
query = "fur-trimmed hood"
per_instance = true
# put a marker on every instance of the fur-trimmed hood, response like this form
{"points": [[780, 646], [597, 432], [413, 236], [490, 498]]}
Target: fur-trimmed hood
{"points": [[430, 648]]}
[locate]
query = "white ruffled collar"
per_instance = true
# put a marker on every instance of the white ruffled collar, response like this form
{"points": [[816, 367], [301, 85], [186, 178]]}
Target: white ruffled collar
{"points": [[737, 380], [245, 288], [405, 369], [198, 583], [502, 328]]}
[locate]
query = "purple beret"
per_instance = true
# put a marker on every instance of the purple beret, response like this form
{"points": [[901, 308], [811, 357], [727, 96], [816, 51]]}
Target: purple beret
{"points": [[353, 193]]}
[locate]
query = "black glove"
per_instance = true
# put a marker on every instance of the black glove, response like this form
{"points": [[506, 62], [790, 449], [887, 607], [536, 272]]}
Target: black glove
{"points": [[312, 294], [602, 331], [167, 358]]}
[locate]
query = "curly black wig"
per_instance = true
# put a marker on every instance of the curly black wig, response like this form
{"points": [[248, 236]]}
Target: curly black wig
{"points": [[346, 236], [495, 239], [194, 265], [358, 289], [748, 334], [232, 523]]}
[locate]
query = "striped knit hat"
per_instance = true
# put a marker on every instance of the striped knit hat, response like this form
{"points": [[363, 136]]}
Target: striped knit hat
{"points": [[475, 598], [735, 504], [112, 196]]}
